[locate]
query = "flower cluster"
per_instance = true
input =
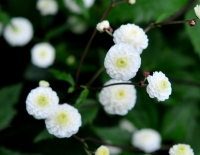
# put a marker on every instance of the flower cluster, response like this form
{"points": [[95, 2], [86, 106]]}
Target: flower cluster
{"points": [[61, 120]]}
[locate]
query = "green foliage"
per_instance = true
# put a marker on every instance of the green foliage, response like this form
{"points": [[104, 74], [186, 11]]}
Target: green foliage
{"points": [[43, 136], [81, 98]]}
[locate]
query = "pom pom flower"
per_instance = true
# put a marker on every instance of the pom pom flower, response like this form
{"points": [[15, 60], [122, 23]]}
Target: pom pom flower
{"points": [[102, 150], [102, 26], [117, 99], [197, 11], [47, 7], [147, 140], [122, 61], [181, 149], [64, 121], [131, 34], [41, 101], [42, 55], [19, 33], [159, 86]]}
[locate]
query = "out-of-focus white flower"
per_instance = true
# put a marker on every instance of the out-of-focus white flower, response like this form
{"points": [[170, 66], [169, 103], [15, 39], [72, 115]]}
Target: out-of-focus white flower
{"points": [[64, 121], [102, 26], [72, 6], [1, 28], [102, 150], [117, 99], [131, 2], [131, 34], [77, 25], [122, 61], [70, 60], [114, 150], [19, 33], [47, 7], [41, 101], [159, 86], [42, 55], [147, 140], [126, 125], [43, 83], [197, 11], [181, 149]]}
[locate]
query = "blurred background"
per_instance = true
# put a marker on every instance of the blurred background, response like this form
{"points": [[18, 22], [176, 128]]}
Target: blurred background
{"points": [[172, 49]]}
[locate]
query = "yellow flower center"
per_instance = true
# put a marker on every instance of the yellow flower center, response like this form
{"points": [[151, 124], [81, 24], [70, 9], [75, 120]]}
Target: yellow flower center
{"points": [[121, 62], [182, 150], [102, 151], [163, 85], [43, 54], [62, 118], [134, 31], [42, 100], [120, 94]]}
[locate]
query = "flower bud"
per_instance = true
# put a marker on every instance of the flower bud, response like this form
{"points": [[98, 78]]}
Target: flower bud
{"points": [[146, 74], [103, 26], [43, 83], [192, 22], [141, 83], [131, 2]]}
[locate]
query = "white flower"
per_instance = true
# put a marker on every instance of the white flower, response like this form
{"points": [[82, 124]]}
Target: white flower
{"points": [[197, 11], [47, 7], [102, 150], [114, 150], [77, 25], [64, 121], [181, 149], [41, 101], [131, 34], [131, 2], [117, 99], [122, 61], [43, 83], [159, 86], [42, 55], [147, 140], [19, 33], [102, 26], [72, 6], [126, 125]]}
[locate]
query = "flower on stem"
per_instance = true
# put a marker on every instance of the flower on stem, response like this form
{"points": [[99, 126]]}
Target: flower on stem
{"points": [[146, 74], [159, 86], [192, 22], [122, 61], [118, 99], [131, 2], [133, 35], [19, 32], [148, 140], [197, 11], [103, 26], [47, 7], [42, 55], [41, 101], [102, 150], [64, 121], [181, 149]]}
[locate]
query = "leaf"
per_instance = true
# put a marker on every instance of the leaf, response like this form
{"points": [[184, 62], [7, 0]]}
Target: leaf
{"points": [[4, 17], [70, 89], [63, 76], [43, 136], [81, 98], [163, 16]]}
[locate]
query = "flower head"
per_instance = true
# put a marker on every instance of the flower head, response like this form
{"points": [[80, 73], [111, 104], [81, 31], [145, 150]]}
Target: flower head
{"points": [[102, 26], [72, 6], [47, 7], [148, 140], [19, 33], [131, 2], [159, 86], [41, 101], [197, 11], [64, 121], [122, 62], [117, 99], [181, 149], [131, 34], [42, 55], [102, 150]]}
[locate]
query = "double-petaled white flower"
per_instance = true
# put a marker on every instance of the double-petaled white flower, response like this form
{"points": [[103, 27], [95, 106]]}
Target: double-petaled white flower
{"points": [[159, 86], [102, 150], [122, 61], [47, 7], [19, 32], [117, 99], [42, 55], [64, 121], [147, 140], [41, 101], [181, 149], [102, 26], [72, 6], [131, 34], [197, 11]]}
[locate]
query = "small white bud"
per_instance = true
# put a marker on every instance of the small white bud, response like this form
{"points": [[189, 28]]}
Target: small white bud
{"points": [[43, 83], [102, 26], [131, 2]]}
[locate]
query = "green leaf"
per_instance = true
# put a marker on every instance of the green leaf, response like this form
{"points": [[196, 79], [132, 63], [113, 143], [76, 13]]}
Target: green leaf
{"points": [[63, 76], [4, 17], [81, 98], [70, 89], [163, 16], [43, 136]]}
